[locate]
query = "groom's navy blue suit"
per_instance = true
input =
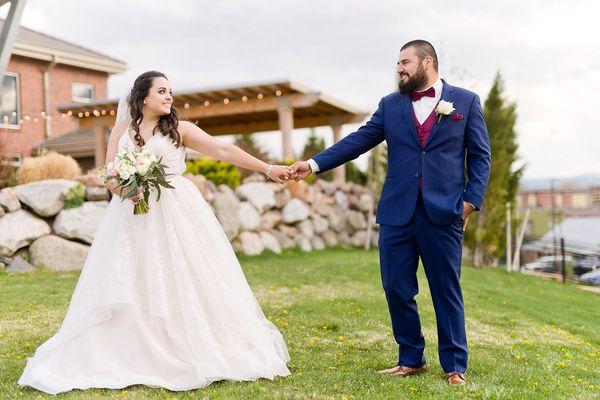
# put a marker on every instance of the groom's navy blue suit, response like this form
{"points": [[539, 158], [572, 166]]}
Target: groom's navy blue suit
{"points": [[420, 212]]}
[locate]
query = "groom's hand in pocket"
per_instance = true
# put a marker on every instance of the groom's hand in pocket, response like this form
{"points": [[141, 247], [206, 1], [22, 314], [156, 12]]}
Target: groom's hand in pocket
{"points": [[467, 210]]}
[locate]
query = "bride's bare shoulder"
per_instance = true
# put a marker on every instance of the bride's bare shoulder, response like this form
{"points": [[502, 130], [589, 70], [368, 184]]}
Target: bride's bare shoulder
{"points": [[185, 127]]}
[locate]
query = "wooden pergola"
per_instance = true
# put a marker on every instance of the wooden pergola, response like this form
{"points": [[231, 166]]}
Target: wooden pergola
{"points": [[244, 109]]}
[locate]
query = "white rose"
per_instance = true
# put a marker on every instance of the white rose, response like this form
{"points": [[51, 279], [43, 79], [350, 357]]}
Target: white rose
{"points": [[142, 167], [445, 107]]}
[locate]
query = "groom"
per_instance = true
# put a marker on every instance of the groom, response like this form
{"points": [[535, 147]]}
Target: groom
{"points": [[425, 205]]}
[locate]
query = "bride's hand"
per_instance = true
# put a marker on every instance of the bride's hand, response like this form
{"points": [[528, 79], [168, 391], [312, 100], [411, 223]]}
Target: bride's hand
{"points": [[280, 173]]}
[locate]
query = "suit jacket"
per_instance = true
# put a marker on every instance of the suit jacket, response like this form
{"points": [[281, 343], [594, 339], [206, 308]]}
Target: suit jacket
{"points": [[456, 147]]}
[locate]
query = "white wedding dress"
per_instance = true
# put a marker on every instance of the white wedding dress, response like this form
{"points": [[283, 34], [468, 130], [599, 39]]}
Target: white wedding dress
{"points": [[161, 301]]}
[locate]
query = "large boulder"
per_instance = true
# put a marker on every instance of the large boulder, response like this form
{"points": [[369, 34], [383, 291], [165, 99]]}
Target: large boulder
{"points": [[20, 265], [96, 193], [341, 199], [260, 194], [327, 186], [251, 243], [330, 238], [359, 238], [295, 210], [306, 228], [356, 219], [270, 219], [226, 206], [58, 254], [80, 222], [282, 197], [248, 216], [304, 243], [337, 219], [365, 202], [270, 242], [45, 197], [18, 229], [284, 240], [317, 243], [320, 224], [9, 200]]}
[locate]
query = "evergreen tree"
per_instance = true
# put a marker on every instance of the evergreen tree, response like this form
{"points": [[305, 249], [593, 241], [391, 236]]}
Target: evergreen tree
{"points": [[314, 145], [249, 145], [486, 231]]}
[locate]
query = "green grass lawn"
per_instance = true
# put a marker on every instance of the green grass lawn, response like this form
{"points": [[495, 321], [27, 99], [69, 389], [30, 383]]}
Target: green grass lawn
{"points": [[529, 338]]}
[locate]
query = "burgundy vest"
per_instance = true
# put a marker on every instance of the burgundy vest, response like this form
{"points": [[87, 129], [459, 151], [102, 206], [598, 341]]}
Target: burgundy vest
{"points": [[423, 131]]}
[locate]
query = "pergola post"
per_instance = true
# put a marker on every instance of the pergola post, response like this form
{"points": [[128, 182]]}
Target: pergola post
{"points": [[99, 139], [286, 126], [339, 173]]}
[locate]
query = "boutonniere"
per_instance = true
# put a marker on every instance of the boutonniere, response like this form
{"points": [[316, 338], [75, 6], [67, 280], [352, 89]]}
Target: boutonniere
{"points": [[444, 108]]}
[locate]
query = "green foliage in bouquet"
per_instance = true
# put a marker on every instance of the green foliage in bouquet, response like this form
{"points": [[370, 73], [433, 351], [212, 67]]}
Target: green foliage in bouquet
{"points": [[219, 172]]}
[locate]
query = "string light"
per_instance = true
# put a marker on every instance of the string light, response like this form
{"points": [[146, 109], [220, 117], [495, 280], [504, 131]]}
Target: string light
{"points": [[244, 98], [260, 96], [278, 93], [226, 101], [103, 112], [186, 105], [96, 113], [112, 112], [80, 115], [69, 113], [206, 103]]}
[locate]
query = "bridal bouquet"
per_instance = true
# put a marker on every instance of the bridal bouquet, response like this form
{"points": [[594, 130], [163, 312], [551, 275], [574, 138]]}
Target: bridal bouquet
{"points": [[135, 170]]}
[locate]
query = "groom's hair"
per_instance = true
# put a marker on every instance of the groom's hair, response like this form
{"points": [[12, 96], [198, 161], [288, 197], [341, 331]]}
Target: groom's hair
{"points": [[423, 49]]}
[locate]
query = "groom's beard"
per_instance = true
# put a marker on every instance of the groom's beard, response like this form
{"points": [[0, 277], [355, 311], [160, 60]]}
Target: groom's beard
{"points": [[414, 83]]}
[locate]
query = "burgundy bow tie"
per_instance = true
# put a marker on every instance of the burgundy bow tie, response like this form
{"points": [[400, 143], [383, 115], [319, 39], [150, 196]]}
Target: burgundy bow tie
{"points": [[415, 96]]}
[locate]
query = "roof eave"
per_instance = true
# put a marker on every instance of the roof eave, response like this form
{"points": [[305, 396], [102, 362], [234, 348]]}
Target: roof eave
{"points": [[77, 60]]}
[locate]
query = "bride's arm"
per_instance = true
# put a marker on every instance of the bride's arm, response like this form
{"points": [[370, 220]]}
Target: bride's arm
{"points": [[111, 152], [196, 139]]}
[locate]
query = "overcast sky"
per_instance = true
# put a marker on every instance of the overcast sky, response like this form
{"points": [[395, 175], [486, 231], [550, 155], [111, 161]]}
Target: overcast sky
{"points": [[547, 52]]}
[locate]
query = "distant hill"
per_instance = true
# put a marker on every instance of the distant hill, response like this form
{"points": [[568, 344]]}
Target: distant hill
{"points": [[580, 181]]}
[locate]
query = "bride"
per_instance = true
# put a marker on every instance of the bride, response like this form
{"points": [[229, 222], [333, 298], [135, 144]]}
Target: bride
{"points": [[161, 300]]}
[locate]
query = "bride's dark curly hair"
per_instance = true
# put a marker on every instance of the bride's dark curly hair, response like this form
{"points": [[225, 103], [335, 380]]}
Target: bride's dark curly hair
{"points": [[167, 124]]}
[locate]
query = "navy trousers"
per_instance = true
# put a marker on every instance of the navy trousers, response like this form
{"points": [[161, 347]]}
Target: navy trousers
{"points": [[440, 249]]}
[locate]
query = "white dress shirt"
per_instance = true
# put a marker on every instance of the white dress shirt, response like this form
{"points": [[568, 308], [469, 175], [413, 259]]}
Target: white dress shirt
{"points": [[425, 105]]}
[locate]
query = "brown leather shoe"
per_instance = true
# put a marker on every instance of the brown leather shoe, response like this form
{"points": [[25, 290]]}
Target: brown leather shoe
{"points": [[455, 378], [402, 370]]}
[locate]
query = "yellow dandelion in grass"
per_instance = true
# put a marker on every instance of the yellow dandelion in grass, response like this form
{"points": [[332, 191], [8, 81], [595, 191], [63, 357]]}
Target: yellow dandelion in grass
{"points": [[561, 364], [413, 389], [284, 311], [123, 393], [311, 341], [341, 338]]}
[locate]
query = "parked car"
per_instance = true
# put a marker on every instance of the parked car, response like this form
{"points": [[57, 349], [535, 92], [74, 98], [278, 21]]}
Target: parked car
{"points": [[547, 264], [591, 277]]}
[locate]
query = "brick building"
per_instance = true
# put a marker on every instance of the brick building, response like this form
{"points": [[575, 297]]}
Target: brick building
{"points": [[43, 73]]}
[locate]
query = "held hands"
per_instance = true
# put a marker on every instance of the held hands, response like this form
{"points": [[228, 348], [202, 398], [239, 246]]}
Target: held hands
{"points": [[300, 170], [279, 173]]}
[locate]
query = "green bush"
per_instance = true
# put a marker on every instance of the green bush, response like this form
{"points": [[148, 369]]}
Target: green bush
{"points": [[218, 172], [75, 196]]}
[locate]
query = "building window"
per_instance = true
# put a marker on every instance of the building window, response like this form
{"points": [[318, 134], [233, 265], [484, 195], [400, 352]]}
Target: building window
{"points": [[9, 101], [83, 92], [11, 159]]}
